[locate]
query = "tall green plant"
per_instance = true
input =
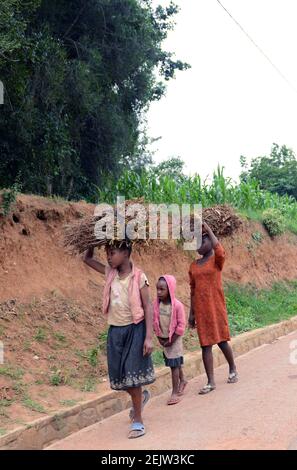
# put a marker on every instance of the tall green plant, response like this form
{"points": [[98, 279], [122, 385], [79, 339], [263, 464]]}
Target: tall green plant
{"points": [[246, 195]]}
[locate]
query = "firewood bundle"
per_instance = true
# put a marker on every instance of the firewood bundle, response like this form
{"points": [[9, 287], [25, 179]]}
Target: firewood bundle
{"points": [[82, 235]]}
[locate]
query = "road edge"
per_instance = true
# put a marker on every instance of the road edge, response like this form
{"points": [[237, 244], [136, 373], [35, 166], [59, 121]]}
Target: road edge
{"points": [[43, 432]]}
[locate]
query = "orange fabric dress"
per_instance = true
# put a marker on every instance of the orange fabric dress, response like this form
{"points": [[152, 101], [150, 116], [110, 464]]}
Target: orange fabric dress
{"points": [[208, 299]]}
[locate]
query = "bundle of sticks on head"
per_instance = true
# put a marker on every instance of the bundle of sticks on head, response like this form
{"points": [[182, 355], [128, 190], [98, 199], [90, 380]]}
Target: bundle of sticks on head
{"points": [[102, 228]]}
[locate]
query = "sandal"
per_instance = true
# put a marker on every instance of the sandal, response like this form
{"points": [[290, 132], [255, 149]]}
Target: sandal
{"points": [[174, 400], [146, 396], [206, 389], [136, 430], [233, 378]]}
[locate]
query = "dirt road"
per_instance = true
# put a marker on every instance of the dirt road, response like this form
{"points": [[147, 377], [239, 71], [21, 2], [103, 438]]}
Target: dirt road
{"points": [[259, 412]]}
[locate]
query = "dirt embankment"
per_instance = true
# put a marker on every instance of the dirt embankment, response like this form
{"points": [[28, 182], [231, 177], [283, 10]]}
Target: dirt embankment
{"points": [[50, 302], [33, 261]]}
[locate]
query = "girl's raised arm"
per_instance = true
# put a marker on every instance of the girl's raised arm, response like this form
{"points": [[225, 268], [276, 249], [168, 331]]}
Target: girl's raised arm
{"points": [[90, 261], [211, 235], [218, 249]]}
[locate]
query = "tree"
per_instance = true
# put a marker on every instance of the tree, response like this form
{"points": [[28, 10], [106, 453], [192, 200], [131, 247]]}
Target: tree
{"points": [[14, 16], [172, 167], [79, 77], [276, 172]]}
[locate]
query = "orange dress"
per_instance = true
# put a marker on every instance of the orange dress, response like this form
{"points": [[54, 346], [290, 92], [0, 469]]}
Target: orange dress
{"points": [[208, 299]]}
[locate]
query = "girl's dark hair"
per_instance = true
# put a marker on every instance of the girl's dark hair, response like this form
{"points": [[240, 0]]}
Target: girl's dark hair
{"points": [[122, 245], [126, 245]]}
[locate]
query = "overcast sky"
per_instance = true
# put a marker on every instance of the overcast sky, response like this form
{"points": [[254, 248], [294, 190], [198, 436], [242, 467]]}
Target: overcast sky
{"points": [[231, 102]]}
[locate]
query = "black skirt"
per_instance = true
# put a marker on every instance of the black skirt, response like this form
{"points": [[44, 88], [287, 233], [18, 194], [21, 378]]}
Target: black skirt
{"points": [[127, 366], [176, 362]]}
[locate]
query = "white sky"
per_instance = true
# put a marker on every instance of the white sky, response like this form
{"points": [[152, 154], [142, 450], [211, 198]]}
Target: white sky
{"points": [[231, 102]]}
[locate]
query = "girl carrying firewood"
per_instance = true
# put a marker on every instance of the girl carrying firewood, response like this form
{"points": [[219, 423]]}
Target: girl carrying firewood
{"points": [[208, 308], [126, 302]]}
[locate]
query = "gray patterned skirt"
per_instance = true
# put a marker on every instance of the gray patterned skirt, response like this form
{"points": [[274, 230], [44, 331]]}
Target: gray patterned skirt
{"points": [[127, 366]]}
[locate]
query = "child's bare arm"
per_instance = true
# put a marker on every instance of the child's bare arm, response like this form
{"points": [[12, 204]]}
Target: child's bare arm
{"points": [[191, 320], [148, 314], [213, 238], [90, 261], [173, 339]]}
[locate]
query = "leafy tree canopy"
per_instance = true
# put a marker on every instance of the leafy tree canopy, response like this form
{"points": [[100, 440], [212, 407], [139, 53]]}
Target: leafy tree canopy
{"points": [[276, 173], [78, 78]]}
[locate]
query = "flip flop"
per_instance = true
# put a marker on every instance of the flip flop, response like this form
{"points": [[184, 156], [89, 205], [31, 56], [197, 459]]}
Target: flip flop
{"points": [[136, 430], [206, 389], [182, 390], [233, 378], [174, 401], [146, 396]]}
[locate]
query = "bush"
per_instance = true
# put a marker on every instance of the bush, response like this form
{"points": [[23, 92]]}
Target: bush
{"points": [[8, 198], [56, 379], [273, 221], [93, 357]]}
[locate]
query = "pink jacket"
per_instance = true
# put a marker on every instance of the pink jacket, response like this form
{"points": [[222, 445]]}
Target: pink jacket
{"points": [[134, 293], [178, 317]]}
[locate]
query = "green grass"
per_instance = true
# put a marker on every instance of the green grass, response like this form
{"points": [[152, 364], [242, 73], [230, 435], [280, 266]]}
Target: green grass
{"points": [[39, 382], [157, 357], [3, 432], [11, 371], [250, 308], [291, 225], [251, 214], [33, 405], [19, 388], [92, 356], [56, 379], [60, 337], [102, 338], [68, 403], [89, 385], [40, 335], [5, 402]]}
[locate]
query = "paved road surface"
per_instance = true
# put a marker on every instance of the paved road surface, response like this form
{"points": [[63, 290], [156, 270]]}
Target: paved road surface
{"points": [[259, 412]]}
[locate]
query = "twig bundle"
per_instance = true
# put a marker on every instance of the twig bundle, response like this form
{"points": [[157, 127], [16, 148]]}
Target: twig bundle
{"points": [[222, 220], [81, 235]]}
